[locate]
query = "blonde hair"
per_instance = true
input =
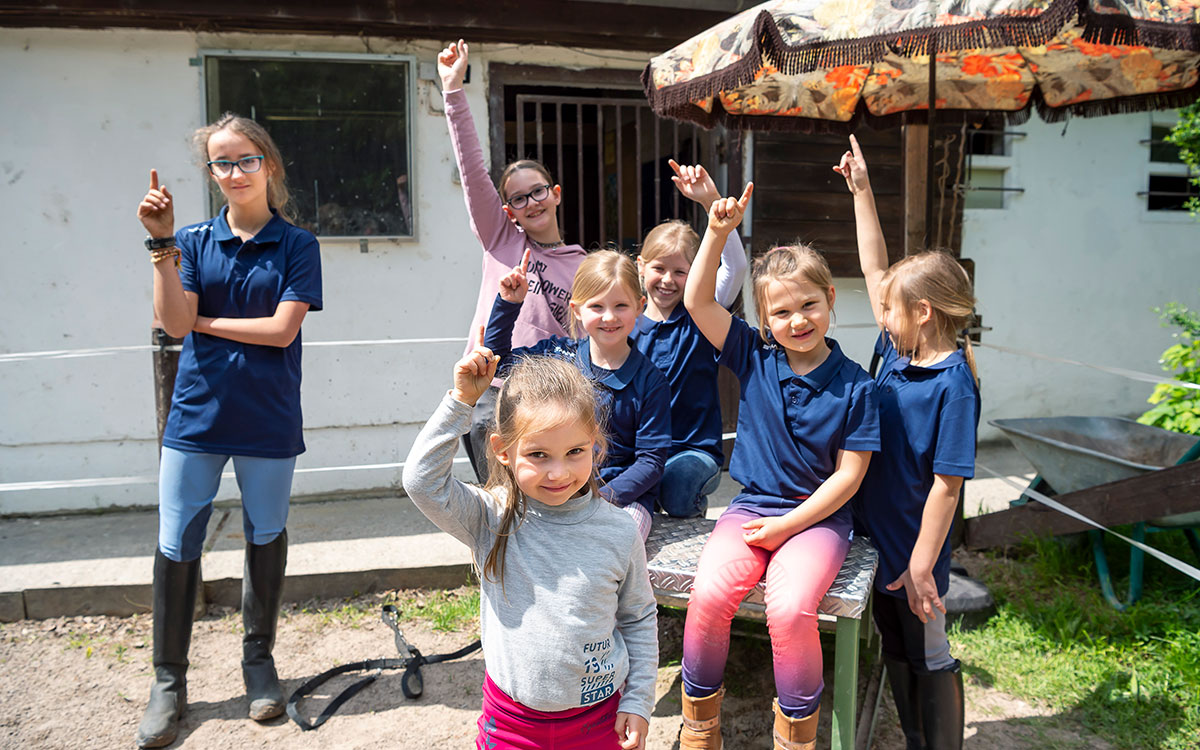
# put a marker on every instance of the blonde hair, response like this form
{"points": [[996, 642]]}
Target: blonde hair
{"points": [[598, 272], [673, 236], [519, 164], [540, 393], [278, 196], [795, 262], [936, 277]]}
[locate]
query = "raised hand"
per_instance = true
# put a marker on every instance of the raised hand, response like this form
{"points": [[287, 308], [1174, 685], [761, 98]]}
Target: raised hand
{"points": [[157, 209], [695, 183], [726, 213], [515, 284], [854, 168], [473, 373], [452, 65]]}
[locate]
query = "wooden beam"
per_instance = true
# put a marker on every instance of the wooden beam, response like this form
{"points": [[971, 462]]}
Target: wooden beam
{"points": [[641, 27], [1165, 492], [916, 156]]}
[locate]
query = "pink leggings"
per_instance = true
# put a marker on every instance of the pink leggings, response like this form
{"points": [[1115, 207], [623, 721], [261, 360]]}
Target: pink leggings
{"points": [[799, 573], [508, 725]]}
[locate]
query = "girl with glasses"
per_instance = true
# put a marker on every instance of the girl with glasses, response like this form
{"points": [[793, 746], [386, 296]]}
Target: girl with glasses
{"points": [[236, 288], [521, 214]]}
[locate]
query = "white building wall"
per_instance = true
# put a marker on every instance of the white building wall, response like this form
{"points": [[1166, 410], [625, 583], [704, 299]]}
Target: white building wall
{"points": [[88, 113], [1071, 267]]}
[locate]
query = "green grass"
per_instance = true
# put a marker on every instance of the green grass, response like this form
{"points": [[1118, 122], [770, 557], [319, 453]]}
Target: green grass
{"points": [[1132, 678], [451, 610]]}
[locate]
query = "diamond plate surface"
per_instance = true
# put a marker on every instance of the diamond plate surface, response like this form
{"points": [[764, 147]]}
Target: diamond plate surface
{"points": [[673, 550]]}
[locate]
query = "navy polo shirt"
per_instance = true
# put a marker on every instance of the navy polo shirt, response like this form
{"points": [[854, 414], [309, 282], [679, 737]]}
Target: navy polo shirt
{"points": [[791, 427], [233, 398], [678, 348], [634, 402], [928, 416]]}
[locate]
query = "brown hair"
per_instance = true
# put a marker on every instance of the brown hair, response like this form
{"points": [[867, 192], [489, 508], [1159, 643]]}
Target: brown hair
{"points": [[597, 273], [277, 190], [788, 262], [540, 393], [519, 164], [673, 236], [936, 277]]}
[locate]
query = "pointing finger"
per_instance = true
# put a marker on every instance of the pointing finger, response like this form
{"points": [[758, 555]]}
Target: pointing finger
{"points": [[525, 261], [154, 179], [675, 166], [854, 147], [479, 341], [745, 199]]}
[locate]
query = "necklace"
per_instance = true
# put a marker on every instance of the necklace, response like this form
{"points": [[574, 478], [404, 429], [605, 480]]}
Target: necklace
{"points": [[547, 245]]}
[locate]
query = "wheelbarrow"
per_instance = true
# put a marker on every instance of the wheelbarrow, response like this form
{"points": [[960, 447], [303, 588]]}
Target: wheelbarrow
{"points": [[1074, 453]]}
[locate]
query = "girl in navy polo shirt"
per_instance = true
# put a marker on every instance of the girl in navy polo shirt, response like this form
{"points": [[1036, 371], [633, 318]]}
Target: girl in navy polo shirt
{"points": [[667, 335], [636, 401], [237, 288], [928, 409], [806, 429]]}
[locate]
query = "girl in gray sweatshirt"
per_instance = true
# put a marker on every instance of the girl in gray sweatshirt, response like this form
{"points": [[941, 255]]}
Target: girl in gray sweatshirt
{"points": [[568, 618]]}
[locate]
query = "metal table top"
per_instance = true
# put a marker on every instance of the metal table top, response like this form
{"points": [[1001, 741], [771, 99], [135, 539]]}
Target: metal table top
{"points": [[673, 550]]}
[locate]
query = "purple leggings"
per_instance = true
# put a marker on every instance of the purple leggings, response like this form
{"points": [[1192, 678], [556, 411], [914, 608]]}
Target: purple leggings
{"points": [[798, 573]]}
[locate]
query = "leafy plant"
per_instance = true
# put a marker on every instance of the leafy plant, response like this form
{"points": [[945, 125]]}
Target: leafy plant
{"points": [[1177, 408], [1186, 135]]}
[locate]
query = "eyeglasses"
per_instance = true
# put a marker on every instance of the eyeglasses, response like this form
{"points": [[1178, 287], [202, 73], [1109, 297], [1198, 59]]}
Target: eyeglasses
{"points": [[538, 194], [224, 167]]}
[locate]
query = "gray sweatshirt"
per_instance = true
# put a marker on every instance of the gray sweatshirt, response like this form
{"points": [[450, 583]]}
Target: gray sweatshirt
{"points": [[576, 617]]}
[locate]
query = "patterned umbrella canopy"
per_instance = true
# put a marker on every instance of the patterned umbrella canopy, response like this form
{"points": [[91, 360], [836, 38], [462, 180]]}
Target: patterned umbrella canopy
{"points": [[795, 63]]}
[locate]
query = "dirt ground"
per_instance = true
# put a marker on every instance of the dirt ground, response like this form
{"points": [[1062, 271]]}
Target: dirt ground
{"points": [[82, 683]]}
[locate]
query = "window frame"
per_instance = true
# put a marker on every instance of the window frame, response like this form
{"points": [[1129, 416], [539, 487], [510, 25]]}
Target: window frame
{"points": [[303, 55], [1166, 118]]}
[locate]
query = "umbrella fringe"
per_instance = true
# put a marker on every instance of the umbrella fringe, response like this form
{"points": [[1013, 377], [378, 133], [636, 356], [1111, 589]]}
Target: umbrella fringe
{"points": [[1114, 29]]}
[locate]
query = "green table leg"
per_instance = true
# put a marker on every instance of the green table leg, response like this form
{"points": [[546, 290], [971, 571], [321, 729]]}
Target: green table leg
{"points": [[845, 683]]}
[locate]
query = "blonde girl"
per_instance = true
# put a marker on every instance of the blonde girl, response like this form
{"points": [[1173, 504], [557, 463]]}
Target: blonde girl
{"points": [[634, 397], [668, 336], [236, 288], [568, 618], [519, 214], [929, 410], [807, 426]]}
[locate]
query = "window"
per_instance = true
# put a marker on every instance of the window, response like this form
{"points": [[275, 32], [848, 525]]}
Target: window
{"points": [[1168, 187], [343, 125]]}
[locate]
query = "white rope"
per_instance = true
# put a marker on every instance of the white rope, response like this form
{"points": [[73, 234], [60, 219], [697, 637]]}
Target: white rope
{"points": [[63, 484], [107, 350], [1131, 374], [1179, 565]]}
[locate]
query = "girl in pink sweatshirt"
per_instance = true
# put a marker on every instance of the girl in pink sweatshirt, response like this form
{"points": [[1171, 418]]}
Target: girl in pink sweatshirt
{"points": [[522, 213]]}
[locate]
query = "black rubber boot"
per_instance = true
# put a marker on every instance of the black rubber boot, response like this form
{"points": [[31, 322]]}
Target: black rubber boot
{"points": [[175, 585], [904, 692], [941, 701], [262, 587]]}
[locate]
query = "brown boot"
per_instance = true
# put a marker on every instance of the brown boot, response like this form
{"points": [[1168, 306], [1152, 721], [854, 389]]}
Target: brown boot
{"points": [[795, 734], [701, 722]]}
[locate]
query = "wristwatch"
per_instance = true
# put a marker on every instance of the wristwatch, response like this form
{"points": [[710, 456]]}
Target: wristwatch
{"points": [[158, 243]]}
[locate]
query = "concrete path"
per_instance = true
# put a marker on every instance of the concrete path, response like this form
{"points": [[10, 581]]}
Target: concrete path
{"points": [[101, 563]]}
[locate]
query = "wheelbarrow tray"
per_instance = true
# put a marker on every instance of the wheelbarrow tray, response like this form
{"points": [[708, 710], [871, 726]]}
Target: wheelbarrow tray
{"points": [[1074, 453]]}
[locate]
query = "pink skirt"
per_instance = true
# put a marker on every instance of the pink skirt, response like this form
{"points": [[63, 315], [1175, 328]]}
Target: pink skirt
{"points": [[508, 725]]}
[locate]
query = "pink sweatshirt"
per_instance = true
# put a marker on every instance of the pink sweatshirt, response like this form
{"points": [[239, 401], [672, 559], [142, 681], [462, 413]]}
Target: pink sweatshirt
{"points": [[545, 312]]}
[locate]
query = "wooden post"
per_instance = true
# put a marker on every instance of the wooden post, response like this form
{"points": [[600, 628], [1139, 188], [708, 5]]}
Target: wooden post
{"points": [[916, 157], [166, 364]]}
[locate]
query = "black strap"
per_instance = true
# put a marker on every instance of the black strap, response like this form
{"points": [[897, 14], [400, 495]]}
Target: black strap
{"points": [[412, 683]]}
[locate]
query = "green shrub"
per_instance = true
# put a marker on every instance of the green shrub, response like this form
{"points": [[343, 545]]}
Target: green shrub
{"points": [[1177, 408], [1186, 135]]}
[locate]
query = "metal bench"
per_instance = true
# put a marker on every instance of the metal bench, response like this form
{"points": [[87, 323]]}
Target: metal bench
{"points": [[673, 550]]}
